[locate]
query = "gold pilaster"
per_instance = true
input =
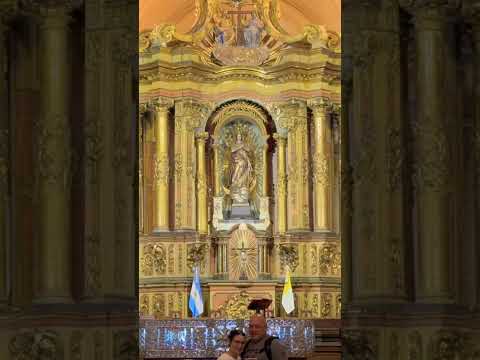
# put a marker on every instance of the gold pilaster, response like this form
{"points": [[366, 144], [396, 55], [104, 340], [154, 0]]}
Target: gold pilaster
{"points": [[202, 217], [281, 183], [322, 169], [53, 161], [432, 160], [162, 165], [292, 116]]}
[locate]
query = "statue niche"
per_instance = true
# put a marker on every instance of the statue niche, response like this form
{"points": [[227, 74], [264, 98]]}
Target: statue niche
{"points": [[240, 173]]}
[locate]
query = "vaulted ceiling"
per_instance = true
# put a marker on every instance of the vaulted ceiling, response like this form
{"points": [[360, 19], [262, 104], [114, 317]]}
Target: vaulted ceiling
{"points": [[294, 14]]}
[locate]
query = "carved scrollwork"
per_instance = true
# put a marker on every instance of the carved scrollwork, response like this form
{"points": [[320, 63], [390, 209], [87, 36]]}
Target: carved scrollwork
{"points": [[320, 169], [450, 345], [38, 344], [330, 260], [236, 307], [326, 305], [144, 305], [53, 155], [159, 306], [288, 256], [196, 255], [431, 165], [161, 169], [359, 345], [153, 260], [290, 115]]}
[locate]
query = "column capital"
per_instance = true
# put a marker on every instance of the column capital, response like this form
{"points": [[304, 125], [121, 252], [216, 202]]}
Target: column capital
{"points": [[161, 105], [201, 137], [290, 114], [320, 106], [8, 9], [280, 139], [430, 14]]}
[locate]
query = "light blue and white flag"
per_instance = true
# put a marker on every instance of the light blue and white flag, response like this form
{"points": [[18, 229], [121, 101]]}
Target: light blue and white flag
{"points": [[195, 303]]}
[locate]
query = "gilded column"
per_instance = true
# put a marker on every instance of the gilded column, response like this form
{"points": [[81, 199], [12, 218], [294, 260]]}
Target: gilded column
{"points": [[431, 147], [217, 175], [162, 165], [281, 183], [265, 167], [202, 219], [53, 161], [322, 169], [189, 116]]}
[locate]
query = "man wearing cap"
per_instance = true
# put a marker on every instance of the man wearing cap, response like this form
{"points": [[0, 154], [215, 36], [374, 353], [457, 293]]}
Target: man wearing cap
{"points": [[261, 346]]}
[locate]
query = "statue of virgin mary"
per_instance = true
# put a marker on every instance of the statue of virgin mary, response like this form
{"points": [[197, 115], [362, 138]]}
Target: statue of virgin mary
{"points": [[241, 172]]}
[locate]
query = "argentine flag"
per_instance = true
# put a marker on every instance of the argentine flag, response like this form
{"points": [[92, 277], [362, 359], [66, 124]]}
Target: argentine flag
{"points": [[195, 303], [288, 301]]}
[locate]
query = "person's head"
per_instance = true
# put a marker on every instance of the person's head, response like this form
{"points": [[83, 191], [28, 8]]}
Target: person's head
{"points": [[236, 340], [239, 137], [258, 326]]}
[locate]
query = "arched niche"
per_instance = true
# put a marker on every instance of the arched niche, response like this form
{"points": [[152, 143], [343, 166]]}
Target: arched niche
{"points": [[241, 117]]}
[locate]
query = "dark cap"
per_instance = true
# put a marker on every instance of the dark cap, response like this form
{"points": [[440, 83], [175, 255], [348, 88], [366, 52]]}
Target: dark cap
{"points": [[259, 305]]}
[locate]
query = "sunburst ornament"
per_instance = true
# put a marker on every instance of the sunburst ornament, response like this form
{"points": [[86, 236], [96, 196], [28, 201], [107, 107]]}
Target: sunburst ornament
{"points": [[243, 254]]}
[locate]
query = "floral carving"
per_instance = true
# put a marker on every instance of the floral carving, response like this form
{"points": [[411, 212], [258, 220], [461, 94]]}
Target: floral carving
{"points": [[53, 155], [326, 305], [161, 169], [320, 169], [359, 345], [451, 345], [144, 305], [171, 259], [236, 307], [158, 305], [153, 259], [338, 307], [288, 256], [38, 344], [431, 165], [314, 257], [330, 260], [196, 255]]}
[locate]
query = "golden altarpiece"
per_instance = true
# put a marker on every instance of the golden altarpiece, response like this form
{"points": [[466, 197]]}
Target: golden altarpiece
{"points": [[239, 168]]}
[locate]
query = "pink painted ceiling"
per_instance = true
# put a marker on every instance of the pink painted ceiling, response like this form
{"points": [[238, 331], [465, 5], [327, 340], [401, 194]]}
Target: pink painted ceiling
{"points": [[294, 14]]}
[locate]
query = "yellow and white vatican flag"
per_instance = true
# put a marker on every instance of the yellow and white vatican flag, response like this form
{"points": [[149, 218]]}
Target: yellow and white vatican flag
{"points": [[288, 301]]}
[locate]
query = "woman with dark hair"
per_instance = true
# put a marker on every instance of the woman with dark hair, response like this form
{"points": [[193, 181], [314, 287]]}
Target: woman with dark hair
{"points": [[236, 340]]}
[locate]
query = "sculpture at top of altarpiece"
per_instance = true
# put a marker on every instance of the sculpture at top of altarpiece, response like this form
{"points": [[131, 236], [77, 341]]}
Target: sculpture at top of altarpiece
{"points": [[238, 32]]}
